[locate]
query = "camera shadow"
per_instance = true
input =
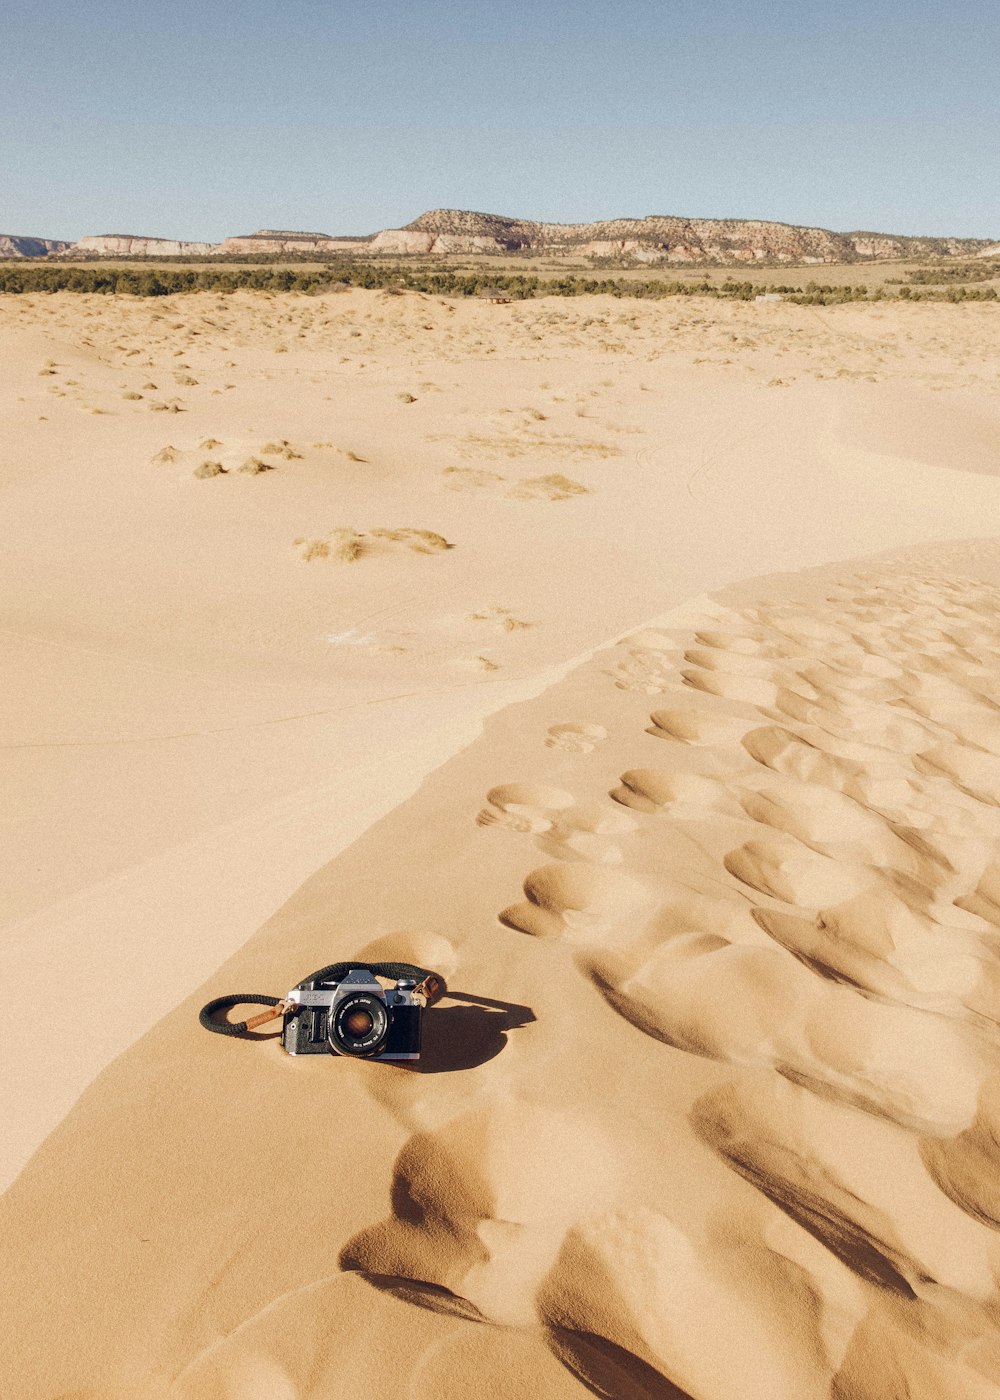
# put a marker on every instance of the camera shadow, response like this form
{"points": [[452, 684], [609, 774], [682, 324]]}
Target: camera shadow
{"points": [[455, 1037]]}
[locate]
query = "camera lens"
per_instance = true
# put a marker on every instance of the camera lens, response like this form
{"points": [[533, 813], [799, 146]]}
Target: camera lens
{"points": [[359, 1025]]}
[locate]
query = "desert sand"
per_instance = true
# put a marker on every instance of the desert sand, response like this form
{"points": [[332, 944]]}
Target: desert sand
{"points": [[634, 665]]}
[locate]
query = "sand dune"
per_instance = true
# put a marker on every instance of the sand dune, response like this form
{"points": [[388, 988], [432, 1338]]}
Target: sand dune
{"points": [[710, 1105]]}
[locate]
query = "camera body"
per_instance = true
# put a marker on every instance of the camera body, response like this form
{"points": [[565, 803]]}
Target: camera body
{"points": [[356, 1017]]}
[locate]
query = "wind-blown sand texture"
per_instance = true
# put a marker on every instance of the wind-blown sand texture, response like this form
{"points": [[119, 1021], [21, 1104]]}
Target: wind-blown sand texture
{"points": [[708, 859]]}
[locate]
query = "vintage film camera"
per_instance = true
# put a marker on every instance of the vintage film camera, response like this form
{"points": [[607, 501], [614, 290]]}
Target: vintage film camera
{"points": [[354, 1016]]}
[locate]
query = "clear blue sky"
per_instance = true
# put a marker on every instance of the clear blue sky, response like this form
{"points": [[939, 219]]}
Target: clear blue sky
{"points": [[197, 119]]}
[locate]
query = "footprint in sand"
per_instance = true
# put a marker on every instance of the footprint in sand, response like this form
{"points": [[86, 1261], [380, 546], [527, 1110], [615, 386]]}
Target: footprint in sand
{"points": [[787, 753], [736, 663], [829, 822], [683, 795], [697, 726], [785, 869], [582, 902], [733, 685], [575, 738], [585, 830], [525, 807], [754, 642], [591, 831], [647, 665]]}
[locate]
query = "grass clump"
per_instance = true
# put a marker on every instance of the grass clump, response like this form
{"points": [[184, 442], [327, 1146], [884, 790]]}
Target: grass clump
{"points": [[314, 549], [283, 448], [208, 469], [423, 541], [348, 545], [554, 487]]}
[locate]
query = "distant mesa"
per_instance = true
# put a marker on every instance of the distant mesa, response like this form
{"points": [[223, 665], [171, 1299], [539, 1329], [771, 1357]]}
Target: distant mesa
{"points": [[660, 238], [13, 245], [270, 240], [128, 245], [657, 239]]}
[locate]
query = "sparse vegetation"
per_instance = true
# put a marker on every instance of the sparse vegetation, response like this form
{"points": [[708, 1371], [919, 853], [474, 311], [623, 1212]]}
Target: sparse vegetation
{"points": [[555, 487], [318, 277], [347, 544], [944, 274], [281, 449]]}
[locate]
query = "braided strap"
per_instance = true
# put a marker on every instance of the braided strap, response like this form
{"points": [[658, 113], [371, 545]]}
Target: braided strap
{"points": [[207, 1013], [428, 984]]}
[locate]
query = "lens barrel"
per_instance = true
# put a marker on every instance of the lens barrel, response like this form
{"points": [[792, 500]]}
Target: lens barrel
{"points": [[359, 1025]]}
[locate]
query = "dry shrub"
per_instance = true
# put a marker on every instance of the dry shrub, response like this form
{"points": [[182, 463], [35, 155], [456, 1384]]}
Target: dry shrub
{"points": [[280, 449], [208, 469], [469, 478], [555, 487], [423, 541], [348, 545]]}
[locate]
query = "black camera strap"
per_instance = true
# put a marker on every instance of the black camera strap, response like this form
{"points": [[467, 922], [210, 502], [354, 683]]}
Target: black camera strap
{"points": [[428, 986]]}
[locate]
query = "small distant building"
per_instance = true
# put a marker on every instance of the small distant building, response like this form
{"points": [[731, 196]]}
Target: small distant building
{"points": [[769, 296], [496, 295]]}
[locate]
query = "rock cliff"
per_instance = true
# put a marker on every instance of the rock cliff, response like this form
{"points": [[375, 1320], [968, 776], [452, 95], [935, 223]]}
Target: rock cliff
{"points": [[270, 240], [659, 238], [12, 245], [127, 245], [656, 239]]}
